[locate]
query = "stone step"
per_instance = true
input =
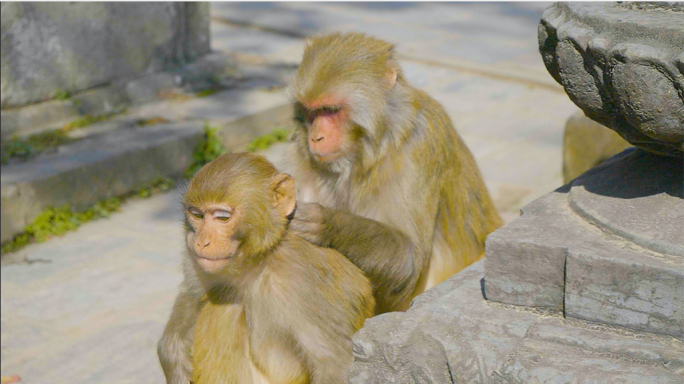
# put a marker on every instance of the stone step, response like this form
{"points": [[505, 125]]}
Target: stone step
{"points": [[120, 159], [451, 334], [609, 247]]}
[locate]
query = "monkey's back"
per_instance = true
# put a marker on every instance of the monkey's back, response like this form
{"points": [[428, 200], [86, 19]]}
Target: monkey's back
{"points": [[466, 213], [340, 285]]}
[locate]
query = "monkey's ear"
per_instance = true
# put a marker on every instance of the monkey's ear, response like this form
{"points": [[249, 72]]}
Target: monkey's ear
{"points": [[391, 74], [284, 194]]}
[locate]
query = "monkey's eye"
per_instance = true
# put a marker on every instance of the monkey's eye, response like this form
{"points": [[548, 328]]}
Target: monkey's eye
{"points": [[196, 213], [222, 215], [329, 110]]}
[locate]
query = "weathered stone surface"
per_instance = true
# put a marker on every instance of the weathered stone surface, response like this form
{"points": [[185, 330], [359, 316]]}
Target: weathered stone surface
{"points": [[452, 335], [48, 48], [621, 63], [214, 69], [117, 162], [586, 144], [637, 196], [619, 261]]}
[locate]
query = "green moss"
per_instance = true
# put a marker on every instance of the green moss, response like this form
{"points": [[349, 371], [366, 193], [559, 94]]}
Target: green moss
{"points": [[207, 92], [15, 149], [279, 135], [61, 95], [58, 221], [84, 122], [152, 121], [209, 148], [24, 149], [159, 185]]}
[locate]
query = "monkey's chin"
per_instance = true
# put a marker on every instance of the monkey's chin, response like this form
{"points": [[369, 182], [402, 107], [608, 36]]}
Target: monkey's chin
{"points": [[212, 265], [326, 158]]}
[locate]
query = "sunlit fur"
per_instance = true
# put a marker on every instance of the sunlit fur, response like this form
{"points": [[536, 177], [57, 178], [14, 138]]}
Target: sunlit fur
{"points": [[218, 182], [282, 312], [406, 170]]}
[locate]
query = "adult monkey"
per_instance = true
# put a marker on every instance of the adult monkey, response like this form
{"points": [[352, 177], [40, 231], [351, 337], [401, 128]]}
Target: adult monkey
{"points": [[389, 182]]}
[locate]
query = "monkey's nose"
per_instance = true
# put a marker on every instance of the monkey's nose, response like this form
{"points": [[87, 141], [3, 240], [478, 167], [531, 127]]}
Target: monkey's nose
{"points": [[317, 139], [199, 244]]}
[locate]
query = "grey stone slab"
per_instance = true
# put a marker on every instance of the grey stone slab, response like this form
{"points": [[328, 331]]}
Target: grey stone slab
{"points": [[122, 160], [643, 293], [208, 71], [34, 118], [552, 257], [452, 335], [52, 48], [525, 272]]}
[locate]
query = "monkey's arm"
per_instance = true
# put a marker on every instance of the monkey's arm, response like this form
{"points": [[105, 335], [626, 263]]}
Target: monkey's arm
{"points": [[390, 258], [175, 346]]}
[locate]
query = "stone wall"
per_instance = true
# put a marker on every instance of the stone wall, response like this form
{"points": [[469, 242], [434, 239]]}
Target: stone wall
{"points": [[55, 49]]}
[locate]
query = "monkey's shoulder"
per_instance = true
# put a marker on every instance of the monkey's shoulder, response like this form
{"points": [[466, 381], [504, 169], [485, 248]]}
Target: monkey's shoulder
{"points": [[301, 254], [325, 270]]}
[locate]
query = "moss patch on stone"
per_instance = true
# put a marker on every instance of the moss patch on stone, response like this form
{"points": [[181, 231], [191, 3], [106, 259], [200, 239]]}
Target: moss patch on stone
{"points": [[25, 148], [58, 221], [84, 122], [208, 148], [279, 135], [207, 92]]}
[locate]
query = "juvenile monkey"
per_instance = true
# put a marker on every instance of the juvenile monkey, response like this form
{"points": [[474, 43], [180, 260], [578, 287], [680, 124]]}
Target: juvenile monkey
{"points": [[259, 304], [389, 182]]}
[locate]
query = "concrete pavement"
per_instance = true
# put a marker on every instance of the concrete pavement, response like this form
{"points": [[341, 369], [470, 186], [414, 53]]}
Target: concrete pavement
{"points": [[89, 307]]}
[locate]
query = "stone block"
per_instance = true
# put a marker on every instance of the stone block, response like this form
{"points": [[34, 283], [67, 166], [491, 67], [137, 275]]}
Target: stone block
{"points": [[93, 169], [119, 161], [37, 117], [145, 89], [608, 247], [451, 334], [48, 48], [524, 271], [643, 293]]}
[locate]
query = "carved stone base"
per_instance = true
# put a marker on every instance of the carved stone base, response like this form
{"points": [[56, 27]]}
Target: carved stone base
{"points": [[607, 248], [451, 334]]}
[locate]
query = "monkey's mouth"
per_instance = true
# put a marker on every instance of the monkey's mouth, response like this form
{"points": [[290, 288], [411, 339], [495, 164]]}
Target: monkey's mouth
{"points": [[210, 263]]}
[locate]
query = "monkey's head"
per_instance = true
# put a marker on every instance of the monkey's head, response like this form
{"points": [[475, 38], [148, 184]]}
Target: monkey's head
{"points": [[341, 92], [236, 208]]}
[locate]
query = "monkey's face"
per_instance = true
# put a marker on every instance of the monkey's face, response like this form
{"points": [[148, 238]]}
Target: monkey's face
{"points": [[212, 235], [327, 125]]}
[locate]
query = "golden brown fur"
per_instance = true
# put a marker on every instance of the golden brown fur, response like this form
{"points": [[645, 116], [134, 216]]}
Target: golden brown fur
{"points": [[274, 309], [402, 198]]}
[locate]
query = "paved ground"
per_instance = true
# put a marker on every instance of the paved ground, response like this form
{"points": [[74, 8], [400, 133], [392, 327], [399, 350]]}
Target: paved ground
{"points": [[90, 306]]}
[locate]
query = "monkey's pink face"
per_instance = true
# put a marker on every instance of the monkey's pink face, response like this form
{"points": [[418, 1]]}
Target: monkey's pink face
{"points": [[212, 236], [328, 132]]}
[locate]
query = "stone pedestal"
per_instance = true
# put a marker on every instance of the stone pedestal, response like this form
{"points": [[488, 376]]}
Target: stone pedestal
{"points": [[451, 334], [609, 247], [587, 286]]}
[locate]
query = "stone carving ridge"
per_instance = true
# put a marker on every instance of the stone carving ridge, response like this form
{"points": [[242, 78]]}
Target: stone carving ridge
{"points": [[623, 67]]}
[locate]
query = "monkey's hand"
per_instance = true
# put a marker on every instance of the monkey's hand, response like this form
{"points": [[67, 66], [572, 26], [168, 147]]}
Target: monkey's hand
{"points": [[310, 221]]}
